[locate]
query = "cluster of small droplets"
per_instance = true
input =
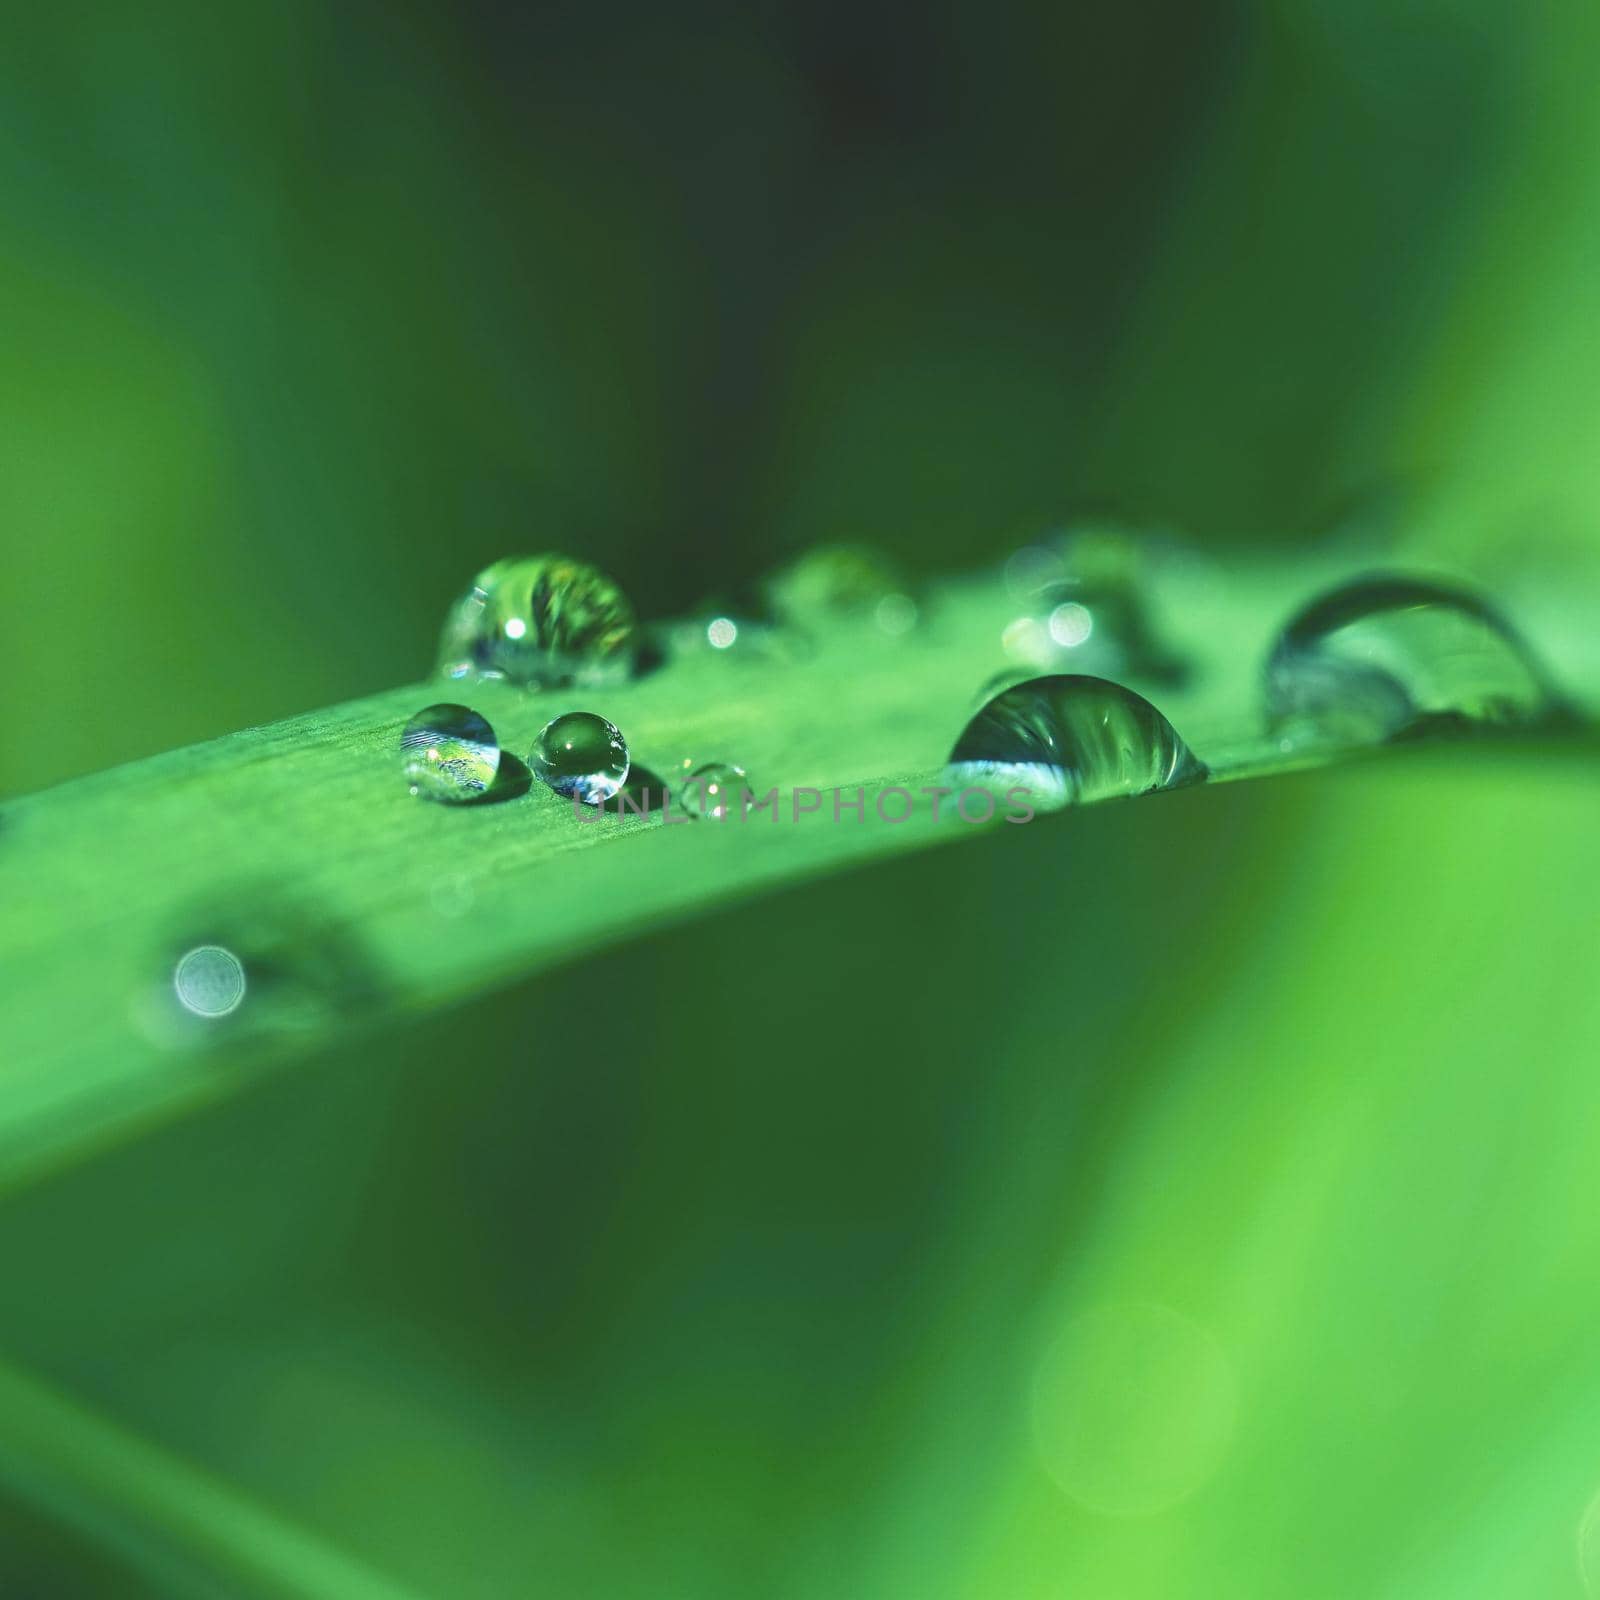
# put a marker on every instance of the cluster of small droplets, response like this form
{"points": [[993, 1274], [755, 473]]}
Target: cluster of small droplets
{"points": [[1368, 662]]}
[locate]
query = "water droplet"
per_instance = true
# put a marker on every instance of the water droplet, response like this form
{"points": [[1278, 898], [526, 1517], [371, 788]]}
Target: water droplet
{"points": [[1383, 657], [449, 753], [582, 756], [715, 791], [1073, 740], [544, 621], [721, 633], [1134, 1407], [209, 981], [832, 580]]}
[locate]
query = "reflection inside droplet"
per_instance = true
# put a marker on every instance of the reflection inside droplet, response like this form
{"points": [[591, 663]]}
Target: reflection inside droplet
{"points": [[1133, 1408], [209, 981], [449, 753]]}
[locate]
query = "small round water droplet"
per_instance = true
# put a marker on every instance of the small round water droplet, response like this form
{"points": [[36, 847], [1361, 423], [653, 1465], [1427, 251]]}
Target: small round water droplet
{"points": [[715, 791], [209, 981], [582, 756], [1383, 657], [722, 633], [1073, 740], [449, 753], [832, 580], [543, 621]]}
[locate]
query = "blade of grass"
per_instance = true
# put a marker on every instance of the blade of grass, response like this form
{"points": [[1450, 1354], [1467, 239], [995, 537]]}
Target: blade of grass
{"points": [[299, 843]]}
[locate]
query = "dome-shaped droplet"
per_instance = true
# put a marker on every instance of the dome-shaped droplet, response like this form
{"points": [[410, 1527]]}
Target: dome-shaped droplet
{"points": [[1073, 740], [544, 621], [449, 753], [1382, 657], [715, 791], [582, 756]]}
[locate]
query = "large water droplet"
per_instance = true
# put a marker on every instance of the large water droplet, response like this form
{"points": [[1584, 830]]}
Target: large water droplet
{"points": [[449, 753], [1073, 740], [582, 756], [715, 791], [1383, 657], [544, 621]]}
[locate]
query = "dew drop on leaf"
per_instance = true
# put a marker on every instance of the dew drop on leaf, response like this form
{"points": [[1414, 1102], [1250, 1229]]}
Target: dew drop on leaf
{"points": [[449, 753], [1073, 740], [542, 622], [1384, 657], [581, 756], [715, 791]]}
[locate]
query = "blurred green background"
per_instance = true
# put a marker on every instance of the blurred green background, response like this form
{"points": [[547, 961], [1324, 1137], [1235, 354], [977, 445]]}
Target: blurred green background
{"points": [[1184, 1199]]}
